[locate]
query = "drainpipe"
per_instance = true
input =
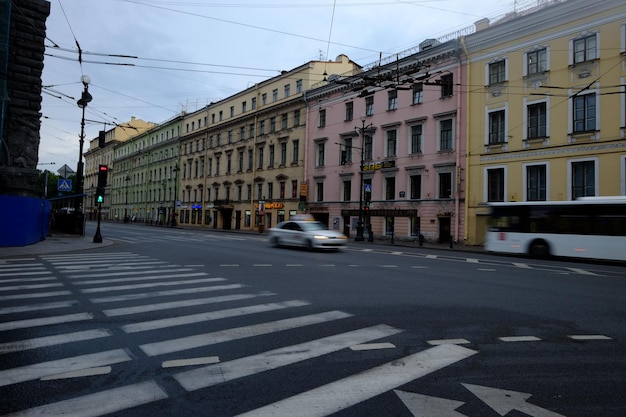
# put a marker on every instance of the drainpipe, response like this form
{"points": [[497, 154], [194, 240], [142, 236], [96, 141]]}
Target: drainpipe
{"points": [[463, 64]]}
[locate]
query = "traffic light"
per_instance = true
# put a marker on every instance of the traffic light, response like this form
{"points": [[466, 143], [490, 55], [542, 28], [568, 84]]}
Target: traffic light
{"points": [[100, 195], [101, 139], [103, 170]]}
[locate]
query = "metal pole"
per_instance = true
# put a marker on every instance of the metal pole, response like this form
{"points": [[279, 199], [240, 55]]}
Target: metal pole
{"points": [[175, 195], [97, 238], [359, 227]]}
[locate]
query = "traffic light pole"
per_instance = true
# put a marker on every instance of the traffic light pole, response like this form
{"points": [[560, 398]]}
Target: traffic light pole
{"points": [[97, 238]]}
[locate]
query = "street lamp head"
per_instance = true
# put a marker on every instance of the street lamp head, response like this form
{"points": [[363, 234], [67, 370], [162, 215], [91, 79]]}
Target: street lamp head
{"points": [[363, 118], [85, 79]]}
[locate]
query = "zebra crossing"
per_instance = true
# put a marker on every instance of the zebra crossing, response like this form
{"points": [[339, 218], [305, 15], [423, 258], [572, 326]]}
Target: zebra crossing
{"points": [[90, 319], [182, 237]]}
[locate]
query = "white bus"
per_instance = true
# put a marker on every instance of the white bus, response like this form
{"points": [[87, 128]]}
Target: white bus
{"points": [[589, 227]]}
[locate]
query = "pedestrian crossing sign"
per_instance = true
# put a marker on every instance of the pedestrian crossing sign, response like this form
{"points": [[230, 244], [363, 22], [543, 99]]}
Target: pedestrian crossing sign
{"points": [[64, 185]]}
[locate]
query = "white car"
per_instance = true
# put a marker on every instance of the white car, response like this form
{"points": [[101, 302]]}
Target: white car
{"points": [[308, 234]]}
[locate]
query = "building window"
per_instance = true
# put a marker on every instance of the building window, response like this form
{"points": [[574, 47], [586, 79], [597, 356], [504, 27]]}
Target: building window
{"points": [[537, 61], [368, 147], [445, 185], [495, 184], [321, 147], [283, 153], [282, 190], [497, 127], [283, 121], [536, 183], [319, 191], [221, 115], [415, 184], [537, 121], [585, 113], [347, 190], [242, 133], [229, 158], [298, 86], [296, 118], [416, 139], [240, 159], [296, 152], [349, 111], [322, 118], [232, 112], [390, 188], [445, 135], [272, 124], [391, 142], [497, 72], [275, 94], [244, 107], [392, 100], [346, 151], [287, 90], [261, 157], [251, 131], [250, 159], [253, 103], [447, 85], [585, 49], [294, 188], [272, 154], [418, 93], [270, 190], [369, 106], [583, 179]]}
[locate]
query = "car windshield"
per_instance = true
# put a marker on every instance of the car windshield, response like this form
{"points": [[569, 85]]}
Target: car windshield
{"points": [[311, 226]]}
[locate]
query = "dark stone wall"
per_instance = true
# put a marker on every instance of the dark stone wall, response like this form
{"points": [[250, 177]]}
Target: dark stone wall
{"points": [[22, 118]]}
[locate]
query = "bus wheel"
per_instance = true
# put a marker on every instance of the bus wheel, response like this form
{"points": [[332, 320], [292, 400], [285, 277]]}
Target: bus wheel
{"points": [[539, 249]]}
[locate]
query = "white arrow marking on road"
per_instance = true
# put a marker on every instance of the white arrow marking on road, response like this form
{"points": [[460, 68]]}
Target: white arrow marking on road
{"points": [[425, 406], [504, 401]]}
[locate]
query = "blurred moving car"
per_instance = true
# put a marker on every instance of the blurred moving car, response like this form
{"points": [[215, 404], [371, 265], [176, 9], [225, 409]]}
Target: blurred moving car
{"points": [[306, 233]]}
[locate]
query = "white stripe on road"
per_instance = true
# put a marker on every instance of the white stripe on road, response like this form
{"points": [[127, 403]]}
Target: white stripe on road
{"points": [[101, 403], [373, 346], [81, 373], [59, 339], [228, 335], [37, 307], [522, 265], [134, 279], [238, 368], [34, 295], [128, 297], [8, 281], [588, 337], [154, 284], [127, 273], [114, 312], [519, 339], [339, 395], [210, 316], [45, 321], [31, 287], [20, 274], [448, 342], [177, 363], [582, 271], [75, 363]]}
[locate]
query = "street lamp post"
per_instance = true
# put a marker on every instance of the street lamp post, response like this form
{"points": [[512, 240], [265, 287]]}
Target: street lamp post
{"points": [[360, 225], [126, 200], [82, 103], [175, 195]]}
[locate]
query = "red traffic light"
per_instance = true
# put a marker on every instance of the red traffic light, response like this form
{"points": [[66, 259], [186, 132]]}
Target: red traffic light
{"points": [[104, 168]]}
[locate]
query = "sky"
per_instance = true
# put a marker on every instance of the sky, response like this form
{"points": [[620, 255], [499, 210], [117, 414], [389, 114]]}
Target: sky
{"points": [[153, 59]]}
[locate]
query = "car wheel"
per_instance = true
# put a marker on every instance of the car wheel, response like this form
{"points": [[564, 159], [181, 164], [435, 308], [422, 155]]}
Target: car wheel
{"points": [[309, 244], [276, 241], [539, 249]]}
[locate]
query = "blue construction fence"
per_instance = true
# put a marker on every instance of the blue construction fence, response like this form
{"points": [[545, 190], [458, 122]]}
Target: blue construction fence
{"points": [[23, 220]]}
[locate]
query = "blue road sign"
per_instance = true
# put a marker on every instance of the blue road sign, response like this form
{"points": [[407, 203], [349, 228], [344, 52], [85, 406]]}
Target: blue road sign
{"points": [[64, 185]]}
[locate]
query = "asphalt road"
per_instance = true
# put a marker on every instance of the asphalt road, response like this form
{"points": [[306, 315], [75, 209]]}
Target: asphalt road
{"points": [[174, 322]]}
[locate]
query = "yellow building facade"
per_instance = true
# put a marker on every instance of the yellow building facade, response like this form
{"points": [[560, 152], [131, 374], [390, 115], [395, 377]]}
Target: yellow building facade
{"points": [[546, 106]]}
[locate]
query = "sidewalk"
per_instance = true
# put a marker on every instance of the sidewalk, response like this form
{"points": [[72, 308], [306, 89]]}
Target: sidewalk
{"points": [[57, 243]]}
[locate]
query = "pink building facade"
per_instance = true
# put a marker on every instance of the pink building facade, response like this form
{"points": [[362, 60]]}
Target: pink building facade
{"points": [[385, 148]]}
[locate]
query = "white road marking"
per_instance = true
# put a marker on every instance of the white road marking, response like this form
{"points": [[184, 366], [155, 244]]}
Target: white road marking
{"points": [[228, 335], [31, 286], [583, 271], [101, 403], [135, 279], [262, 265], [522, 265], [210, 316], [37, 307], [44, 321], [127, 273], [8, 281], [372, 346], [228, 265], [250, 365], [504, 401], [447, 342], [389, 266], [153, 284], [128, 297], [431, 256], [427, 406], [294, 265], [486, 269], [397, 253], [114, 312], [21, 274], [339, 395], [81, 373], [34, 295], [589, 337], [520, 339], [419, 267], [42, 369], [472, 260], [59, 339], [177, 363]]}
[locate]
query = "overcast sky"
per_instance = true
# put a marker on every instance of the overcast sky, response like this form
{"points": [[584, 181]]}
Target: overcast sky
{"points": [[186, 54]]}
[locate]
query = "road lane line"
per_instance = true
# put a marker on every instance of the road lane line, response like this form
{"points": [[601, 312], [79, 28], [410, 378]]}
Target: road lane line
{"points": [[45, 321], [59, 339], [250, 365], [372, 346], [583, 271], [42, 369], [447, 342], [339, 395], [195, 290], [520, 339], [522, 265], [210, 316], [589, 337], [153, 284], [114, 312], [228, 335], [101, 403]]}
